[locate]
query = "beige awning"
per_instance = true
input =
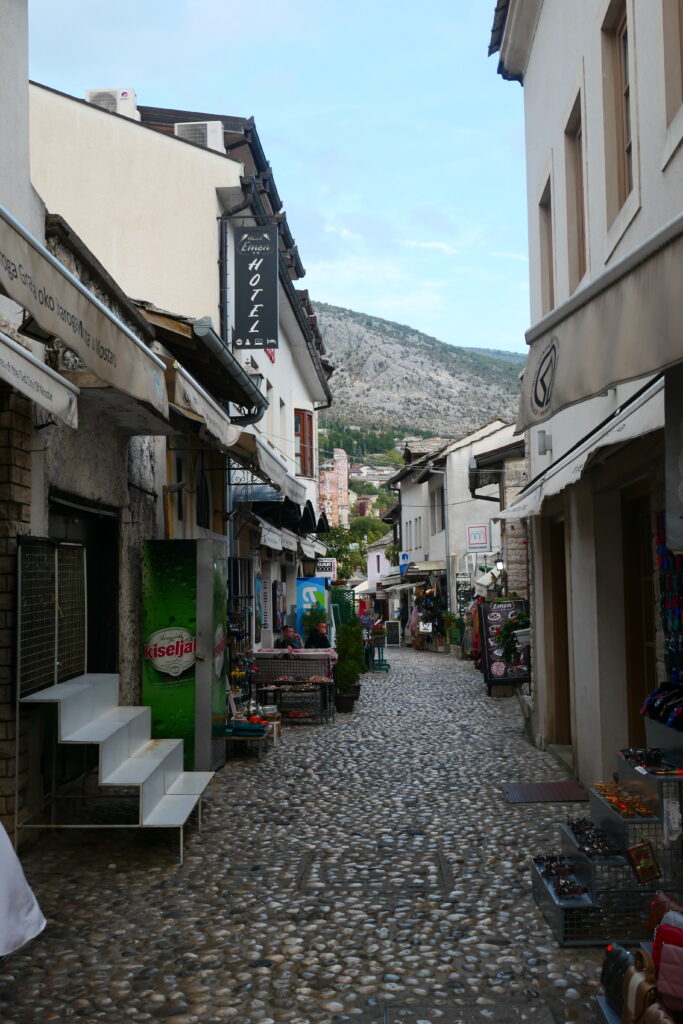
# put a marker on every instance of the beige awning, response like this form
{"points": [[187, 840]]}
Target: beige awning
{"points": [[307, 548], [427, 566], [625, 325], [39, 382], [255, 453], [290, 541], [190, 398], [64, 308], [643, 415], [270, 535]]}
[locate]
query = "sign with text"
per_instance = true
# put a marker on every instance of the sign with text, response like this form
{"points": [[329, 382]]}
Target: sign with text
{"points": [[256, 288], [493, 616], [326, 567], [479, 537], [38, 382], [403, 562], [63, 307]]}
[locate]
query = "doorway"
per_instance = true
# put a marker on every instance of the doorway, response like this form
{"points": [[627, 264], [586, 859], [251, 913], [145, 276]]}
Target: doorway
{"points": [[73, 521], [560, 711], [639, 609]]}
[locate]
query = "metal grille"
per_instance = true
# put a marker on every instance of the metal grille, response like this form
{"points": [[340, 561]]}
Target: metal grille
{"points": [[52, 613], [37, 570], [71, 619], [273, 666]]}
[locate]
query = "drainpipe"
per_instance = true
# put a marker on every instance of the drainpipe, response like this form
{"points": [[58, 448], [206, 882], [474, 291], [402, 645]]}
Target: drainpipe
{"points": [[203, 328]]}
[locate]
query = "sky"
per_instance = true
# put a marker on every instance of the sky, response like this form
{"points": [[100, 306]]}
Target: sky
{"points": [[396, 148]]}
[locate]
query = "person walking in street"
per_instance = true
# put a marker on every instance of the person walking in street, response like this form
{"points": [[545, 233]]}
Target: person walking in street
{"points": [[319, 637]]}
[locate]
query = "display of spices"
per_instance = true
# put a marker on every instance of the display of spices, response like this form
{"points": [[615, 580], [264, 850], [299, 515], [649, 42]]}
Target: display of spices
{"points": [[591, 839], [623, 801]]}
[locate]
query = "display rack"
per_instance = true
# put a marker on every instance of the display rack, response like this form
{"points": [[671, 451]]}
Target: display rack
{"points": [[300, 685], [614, 906]]}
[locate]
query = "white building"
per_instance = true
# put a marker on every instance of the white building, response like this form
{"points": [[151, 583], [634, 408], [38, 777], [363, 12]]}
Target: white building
{"points": [[603, 95], [160, 195], [442, 524]]}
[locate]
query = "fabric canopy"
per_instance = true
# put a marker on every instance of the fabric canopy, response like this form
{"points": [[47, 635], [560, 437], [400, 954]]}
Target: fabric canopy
{"points": [[624, 325], [642, 415]]}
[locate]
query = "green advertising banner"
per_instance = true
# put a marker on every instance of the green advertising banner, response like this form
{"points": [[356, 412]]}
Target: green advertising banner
{"points": [[169, 637]]}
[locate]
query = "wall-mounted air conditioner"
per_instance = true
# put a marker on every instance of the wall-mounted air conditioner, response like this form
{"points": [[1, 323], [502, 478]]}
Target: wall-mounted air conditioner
{"points": [[203, 133], [116, 101]]}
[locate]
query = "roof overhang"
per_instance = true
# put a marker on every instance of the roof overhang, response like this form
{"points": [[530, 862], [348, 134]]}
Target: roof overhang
{"points": [[623, 326]]}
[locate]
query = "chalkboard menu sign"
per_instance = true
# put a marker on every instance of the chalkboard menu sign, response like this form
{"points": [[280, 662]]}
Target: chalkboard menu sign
{"points": [[492, 617]]}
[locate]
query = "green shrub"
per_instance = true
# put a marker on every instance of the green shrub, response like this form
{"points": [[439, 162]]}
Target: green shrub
{"points": [[351, 654]]}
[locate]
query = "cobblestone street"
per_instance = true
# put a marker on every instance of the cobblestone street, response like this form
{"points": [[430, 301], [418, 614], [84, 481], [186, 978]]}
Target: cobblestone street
{"points": [[370, 870]]}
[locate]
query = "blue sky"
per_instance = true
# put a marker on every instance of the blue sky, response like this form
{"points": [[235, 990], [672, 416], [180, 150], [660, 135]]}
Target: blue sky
{"points": [[397, 150]]}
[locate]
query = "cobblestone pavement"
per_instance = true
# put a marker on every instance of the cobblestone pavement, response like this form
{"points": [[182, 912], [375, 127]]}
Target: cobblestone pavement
{"points": [[369, 870]]}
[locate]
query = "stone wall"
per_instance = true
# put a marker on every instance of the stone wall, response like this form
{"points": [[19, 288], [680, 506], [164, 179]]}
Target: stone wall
{"points": [[15, 512]]}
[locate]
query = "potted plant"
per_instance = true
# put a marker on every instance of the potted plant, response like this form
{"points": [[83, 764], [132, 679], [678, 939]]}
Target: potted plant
{"points": [[378, 634], [350, 664], [508, 638]]}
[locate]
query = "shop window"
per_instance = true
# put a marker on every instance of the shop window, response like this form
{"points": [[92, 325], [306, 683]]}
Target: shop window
{"points": [[203, 502], [576, 200], [545, 224], [617, 108], [303, 442]]}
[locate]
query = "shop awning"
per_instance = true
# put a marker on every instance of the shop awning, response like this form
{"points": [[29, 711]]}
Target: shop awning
{"points": [[188, 397], [320, 547], [64, 308], [400, 586], [39, 382], [427, 566], [643, 414], [307, 548], [290, 541], [270, 537], [624, 325], [256, 454], [364, 588]]}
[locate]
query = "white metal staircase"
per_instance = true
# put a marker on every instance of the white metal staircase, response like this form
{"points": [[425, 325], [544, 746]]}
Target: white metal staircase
{"points": [[89, 712]]}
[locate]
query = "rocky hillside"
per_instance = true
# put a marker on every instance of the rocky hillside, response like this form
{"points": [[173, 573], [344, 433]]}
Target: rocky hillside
{"points": [[388, 375]]}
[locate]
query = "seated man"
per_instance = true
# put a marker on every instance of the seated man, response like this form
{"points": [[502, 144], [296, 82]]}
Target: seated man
{"points": [[319, 637], [289, 639]]}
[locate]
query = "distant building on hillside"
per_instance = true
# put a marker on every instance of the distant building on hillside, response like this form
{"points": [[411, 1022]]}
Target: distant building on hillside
{"points": [[333, 488]]}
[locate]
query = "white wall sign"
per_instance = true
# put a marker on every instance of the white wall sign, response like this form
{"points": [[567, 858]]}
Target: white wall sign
{"points": [[479, 537]]}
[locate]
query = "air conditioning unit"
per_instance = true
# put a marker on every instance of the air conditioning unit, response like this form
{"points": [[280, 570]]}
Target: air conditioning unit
{"points": [[203, 133], [116, 101]]}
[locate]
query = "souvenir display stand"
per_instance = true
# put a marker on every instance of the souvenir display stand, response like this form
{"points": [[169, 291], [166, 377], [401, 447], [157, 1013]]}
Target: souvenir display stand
{"points": [[299, 683], [599, 886]]}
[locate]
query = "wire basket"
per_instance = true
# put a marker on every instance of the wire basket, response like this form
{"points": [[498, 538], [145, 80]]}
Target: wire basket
{"points": [[272, 666]]}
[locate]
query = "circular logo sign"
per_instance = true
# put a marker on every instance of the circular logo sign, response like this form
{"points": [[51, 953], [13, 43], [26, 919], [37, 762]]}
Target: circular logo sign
{"points": [[542, 389], [171, 650]]}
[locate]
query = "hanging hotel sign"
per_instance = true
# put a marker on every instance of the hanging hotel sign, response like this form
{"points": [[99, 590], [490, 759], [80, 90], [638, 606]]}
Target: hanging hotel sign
{"points": [[63, 307], [39, 382], [256, 288]]}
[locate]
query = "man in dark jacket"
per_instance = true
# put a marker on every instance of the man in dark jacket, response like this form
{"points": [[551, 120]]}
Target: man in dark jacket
{"points": [[319, 637]]}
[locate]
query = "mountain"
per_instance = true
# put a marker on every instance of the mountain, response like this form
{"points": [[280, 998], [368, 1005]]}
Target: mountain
{"points": [[390, 375]]}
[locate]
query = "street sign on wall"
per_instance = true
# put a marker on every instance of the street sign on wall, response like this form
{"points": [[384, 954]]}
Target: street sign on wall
{"points": [[403, 562], [326, 567], [479, 537]]}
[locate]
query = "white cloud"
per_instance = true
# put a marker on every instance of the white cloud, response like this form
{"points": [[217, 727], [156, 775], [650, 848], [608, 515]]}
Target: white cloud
{"points": [[522, 257], [440, 246], [342, 232]]}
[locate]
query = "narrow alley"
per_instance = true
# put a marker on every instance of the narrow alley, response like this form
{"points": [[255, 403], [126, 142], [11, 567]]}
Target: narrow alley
{"points": [[369, 870]]}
